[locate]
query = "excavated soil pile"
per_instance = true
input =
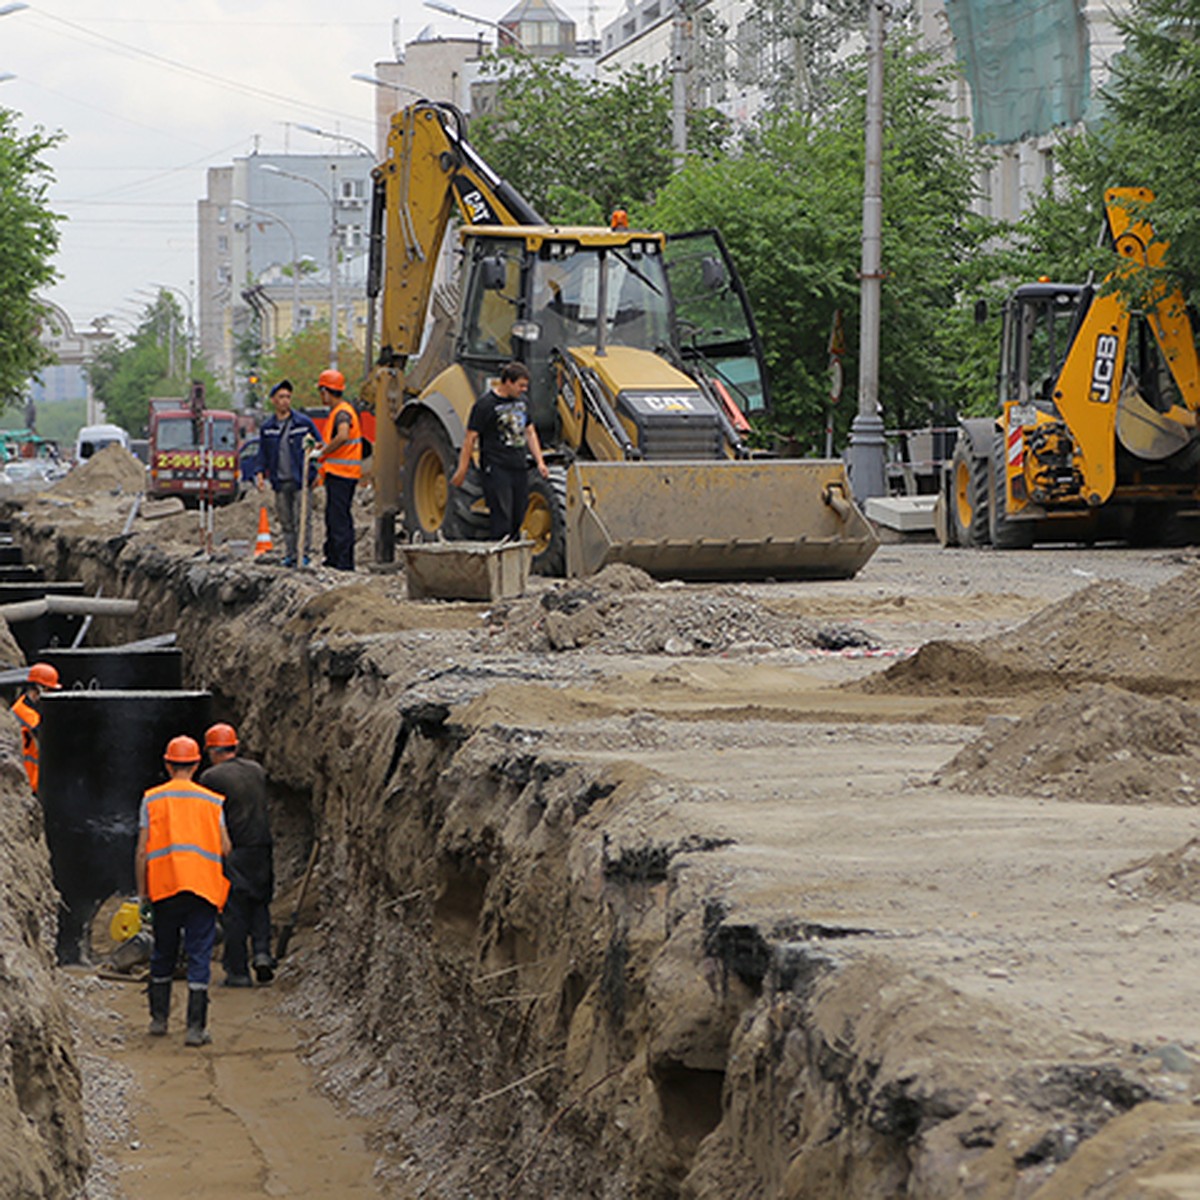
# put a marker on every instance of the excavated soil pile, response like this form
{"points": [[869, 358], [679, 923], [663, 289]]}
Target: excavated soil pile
{"points": [[1099, 744], [112, 469], [1173, 875], [42, 1145], [1147, 642], [622, 610]]}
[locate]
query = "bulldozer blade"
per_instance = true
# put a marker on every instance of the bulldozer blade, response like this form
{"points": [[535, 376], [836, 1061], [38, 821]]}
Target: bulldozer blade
{"points": [[756, 519]]}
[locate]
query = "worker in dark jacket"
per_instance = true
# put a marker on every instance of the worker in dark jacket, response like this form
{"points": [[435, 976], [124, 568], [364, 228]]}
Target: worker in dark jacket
{"points": [[42, 676], [181, 841], [281, 442], [248, 866]]}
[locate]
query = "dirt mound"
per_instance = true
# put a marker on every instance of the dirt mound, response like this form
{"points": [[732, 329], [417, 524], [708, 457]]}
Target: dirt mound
{"points": [[1109, 631], [1173, 875], [112, 469], [1098, 744], [622, 610], [952, 668]]}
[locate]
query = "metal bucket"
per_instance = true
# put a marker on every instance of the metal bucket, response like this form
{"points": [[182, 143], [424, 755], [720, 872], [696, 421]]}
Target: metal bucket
{"points": [[98, 752], [753, 519]]}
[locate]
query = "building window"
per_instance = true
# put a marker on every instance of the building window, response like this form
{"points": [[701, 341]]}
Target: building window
{"points": [[224, 273], [352, 237], [222, 244], [352, 189], [222, 215]]}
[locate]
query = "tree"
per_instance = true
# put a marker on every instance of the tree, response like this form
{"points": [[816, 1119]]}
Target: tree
{"points": [[789, 203], [302, 357], [578, 148], [126, 373], [789, 49], [1147, 136], [28, 240]]}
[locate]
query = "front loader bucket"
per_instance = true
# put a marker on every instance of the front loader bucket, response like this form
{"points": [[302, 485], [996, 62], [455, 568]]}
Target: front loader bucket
{"points": [[757, 519]]}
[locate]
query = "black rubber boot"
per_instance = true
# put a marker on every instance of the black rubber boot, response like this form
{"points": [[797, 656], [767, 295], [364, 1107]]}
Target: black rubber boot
{"points": [[197, 1018], [160, 1006]]}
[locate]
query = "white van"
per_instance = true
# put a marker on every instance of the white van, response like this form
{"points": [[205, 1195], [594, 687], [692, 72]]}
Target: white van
{"points": [[95, 437]]}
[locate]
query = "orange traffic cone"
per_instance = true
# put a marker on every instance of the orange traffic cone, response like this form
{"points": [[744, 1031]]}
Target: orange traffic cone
{"points": [[262, 543]]}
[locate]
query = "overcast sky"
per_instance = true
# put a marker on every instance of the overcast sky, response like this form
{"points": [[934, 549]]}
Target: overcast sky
{"points": [[152, 97]]}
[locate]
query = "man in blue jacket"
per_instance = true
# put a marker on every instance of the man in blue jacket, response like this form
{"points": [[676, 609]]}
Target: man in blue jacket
{"points": [[281, 460]]}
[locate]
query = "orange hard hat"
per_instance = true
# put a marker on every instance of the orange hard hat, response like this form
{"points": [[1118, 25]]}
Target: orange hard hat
{"points": [[221, 736], [335, 381], [44, 675], [182, 749]]}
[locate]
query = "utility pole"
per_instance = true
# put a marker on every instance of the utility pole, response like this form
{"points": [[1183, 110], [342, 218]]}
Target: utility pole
{"points": [[681, 55], [865, 455]]}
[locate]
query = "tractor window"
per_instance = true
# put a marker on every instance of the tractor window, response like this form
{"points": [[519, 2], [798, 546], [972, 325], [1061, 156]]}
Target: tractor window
{"points": [[490, 312], [566, 293]]}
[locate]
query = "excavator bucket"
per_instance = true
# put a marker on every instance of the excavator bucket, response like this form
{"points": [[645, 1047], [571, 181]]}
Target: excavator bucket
{"points": [[731, 520]]}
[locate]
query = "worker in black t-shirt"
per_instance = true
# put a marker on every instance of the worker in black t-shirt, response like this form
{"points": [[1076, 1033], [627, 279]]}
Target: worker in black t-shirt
{"points": [[501, 426]]}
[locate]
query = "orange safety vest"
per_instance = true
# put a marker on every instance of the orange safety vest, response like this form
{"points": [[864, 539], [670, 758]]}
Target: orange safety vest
{"points": [[29, 719], [183, 841], [348, 462]]}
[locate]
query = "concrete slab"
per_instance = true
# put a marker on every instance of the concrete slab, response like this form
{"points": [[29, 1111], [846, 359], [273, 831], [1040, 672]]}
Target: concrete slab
{"points": [[907, 514]]}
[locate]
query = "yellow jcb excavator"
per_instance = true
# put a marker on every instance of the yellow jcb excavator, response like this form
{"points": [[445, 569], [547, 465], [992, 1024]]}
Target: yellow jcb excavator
{"points": [[644, 361], [1097, 435]]}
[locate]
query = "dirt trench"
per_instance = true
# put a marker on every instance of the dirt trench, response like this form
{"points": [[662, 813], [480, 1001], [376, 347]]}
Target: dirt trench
{"points": [[587, 928]]}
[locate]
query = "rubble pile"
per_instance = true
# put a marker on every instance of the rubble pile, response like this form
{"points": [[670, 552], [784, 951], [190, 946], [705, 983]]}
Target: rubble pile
{"points": [[1098, 744], [622, 610]]}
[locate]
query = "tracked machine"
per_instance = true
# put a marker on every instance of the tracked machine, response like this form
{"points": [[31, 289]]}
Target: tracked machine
{"points": [[1097, 432], [646, 369]]}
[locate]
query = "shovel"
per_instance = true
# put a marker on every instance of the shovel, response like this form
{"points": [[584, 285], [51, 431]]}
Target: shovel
{"points": [[301, 551], [285, 934]]}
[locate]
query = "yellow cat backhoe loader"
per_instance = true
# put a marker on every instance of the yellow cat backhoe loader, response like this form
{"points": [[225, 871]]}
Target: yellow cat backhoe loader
{"points": [[644, 362], [1097, 435]]}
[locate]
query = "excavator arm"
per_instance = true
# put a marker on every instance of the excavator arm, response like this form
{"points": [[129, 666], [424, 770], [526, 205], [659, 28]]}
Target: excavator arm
{"points": [[430, 170]]}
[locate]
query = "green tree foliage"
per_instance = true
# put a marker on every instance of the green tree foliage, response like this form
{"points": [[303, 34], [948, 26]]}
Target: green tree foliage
{"points": [[126, 373], [578, 148], [790, 49], [789, 203], [28, 240], [303, 357], [1147, 136]]}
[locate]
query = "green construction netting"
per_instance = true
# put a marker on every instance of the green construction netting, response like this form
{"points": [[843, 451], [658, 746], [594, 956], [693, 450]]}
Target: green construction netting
{"points": [[1026, 61]]}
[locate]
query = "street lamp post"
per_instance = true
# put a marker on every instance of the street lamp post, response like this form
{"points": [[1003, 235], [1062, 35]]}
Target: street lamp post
{"points": [[266, 212], [503, 33], [336, 137], [333, 254], [191, 326], [866, 454]]}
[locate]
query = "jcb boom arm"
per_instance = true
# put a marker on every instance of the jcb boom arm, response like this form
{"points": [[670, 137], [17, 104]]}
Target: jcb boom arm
{"points": [[1097, 432]]}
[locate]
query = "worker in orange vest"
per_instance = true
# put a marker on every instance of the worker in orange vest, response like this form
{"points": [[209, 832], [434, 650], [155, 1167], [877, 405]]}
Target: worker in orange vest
{"points": [[42, 677], [341, 467], [182, 841]]}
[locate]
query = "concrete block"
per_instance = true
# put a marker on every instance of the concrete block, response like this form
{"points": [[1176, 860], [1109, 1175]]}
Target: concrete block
{"points": [[467, 570], [906, 514]]}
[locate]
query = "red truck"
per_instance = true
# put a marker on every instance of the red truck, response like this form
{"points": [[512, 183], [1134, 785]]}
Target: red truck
{"points": [[193, 451]]}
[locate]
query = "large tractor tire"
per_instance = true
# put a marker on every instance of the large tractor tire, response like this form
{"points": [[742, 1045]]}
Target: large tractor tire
{"points": [[1006, 534], [545, 523], [429, 462], [968, 495]]}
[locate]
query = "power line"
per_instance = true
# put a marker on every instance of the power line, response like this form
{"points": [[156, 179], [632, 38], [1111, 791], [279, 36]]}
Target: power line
{"points": [[128, 50]]}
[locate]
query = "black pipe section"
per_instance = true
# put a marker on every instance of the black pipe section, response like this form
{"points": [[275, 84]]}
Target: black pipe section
{"points": [[99, 751], [127, 668]]}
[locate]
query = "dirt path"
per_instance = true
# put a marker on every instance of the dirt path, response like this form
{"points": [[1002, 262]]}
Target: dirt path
{"points": [[239, 1118]]}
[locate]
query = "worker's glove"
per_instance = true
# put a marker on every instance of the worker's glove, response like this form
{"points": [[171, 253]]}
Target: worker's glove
{"points": [[146, 912], [310, 443]]}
